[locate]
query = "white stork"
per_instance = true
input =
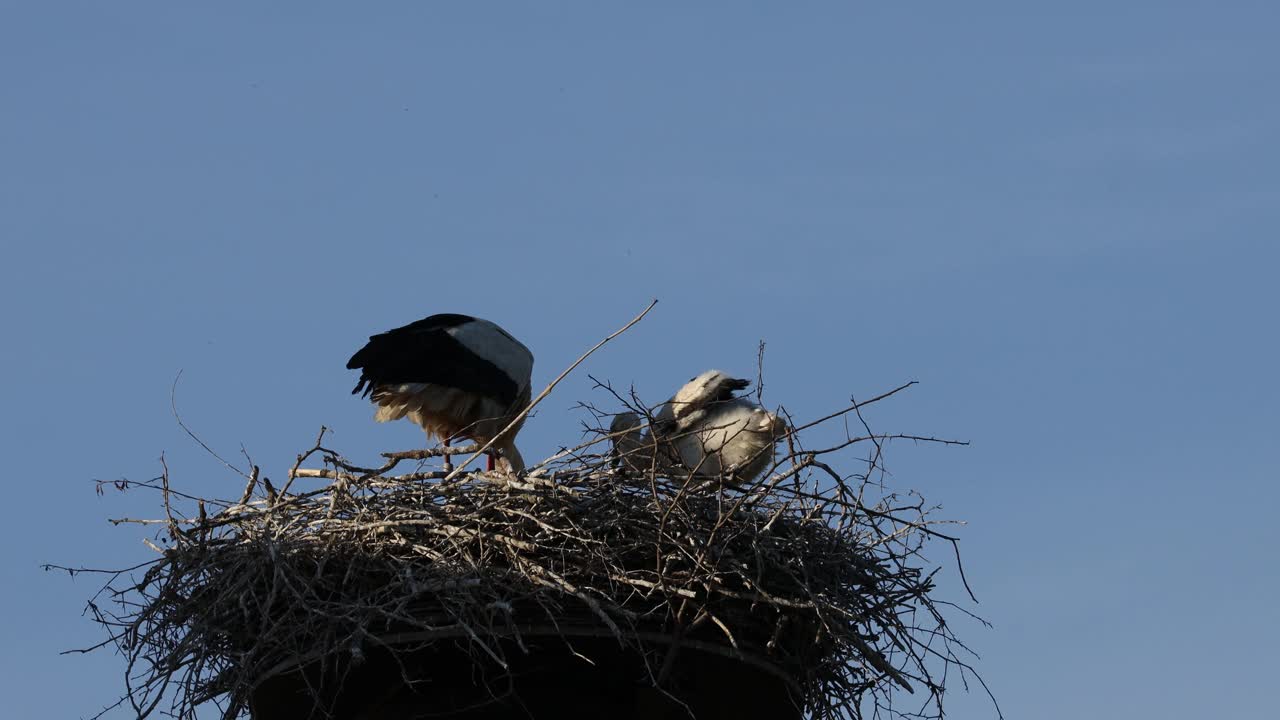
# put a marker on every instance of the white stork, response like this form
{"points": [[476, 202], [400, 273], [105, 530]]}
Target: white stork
{"points": [[705, 428], [455, 375]]}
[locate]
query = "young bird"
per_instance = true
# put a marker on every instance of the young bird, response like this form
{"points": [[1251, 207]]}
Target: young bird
{"points": [[704, 428]]}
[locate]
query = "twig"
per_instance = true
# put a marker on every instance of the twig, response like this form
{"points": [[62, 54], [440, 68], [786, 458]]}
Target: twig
{"points": [[173, 405]]}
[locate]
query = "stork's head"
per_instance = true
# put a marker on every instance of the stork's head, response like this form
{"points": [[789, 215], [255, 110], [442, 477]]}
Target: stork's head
{"points": [[626, 424], [627, 436], [710, 387], [712, 384], [768, 424], [507, 457]]}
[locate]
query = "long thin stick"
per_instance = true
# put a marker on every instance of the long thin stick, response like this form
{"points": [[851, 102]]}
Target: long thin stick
{"points": [[547, 391], [173, 405]]}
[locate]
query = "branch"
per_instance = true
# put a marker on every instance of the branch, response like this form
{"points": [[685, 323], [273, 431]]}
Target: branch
{"points": [[173, 404]]}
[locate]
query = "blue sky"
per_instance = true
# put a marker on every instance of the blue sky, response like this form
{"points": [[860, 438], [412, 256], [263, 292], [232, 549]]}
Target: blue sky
{"points": [[1061, 221]]}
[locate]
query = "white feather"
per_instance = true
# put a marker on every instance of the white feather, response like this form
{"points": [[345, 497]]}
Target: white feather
{"points": [[708, 436], [734, 436], [493, 344]]}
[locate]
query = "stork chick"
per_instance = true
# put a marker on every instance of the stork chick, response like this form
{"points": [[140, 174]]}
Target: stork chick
{"points": [[706, 429]]}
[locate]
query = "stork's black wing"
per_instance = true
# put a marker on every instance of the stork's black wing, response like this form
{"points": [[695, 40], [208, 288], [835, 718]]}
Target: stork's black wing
{"points": [[425, 352]]}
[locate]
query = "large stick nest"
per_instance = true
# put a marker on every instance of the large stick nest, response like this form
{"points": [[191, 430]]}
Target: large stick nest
{"points": [[812, 573]]}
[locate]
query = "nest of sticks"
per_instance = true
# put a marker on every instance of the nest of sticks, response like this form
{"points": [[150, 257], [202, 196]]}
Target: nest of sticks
{"points": [[812, 572]]}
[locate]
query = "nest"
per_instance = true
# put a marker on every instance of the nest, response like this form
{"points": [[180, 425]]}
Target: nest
{"points": [[810, 573]]}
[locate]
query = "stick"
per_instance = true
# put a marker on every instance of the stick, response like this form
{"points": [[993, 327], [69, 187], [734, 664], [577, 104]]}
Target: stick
{"points": [[173, 405]]}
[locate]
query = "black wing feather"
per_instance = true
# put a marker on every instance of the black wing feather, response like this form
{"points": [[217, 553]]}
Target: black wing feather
{"points": [[424, 352], [726, 387]]}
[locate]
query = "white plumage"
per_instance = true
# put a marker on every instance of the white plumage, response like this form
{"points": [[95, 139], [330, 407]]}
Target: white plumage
{"points": [[705, 429]]}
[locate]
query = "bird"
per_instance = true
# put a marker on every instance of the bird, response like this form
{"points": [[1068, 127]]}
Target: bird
{"points": [[635, 449], [455, 375], [705, 428]]}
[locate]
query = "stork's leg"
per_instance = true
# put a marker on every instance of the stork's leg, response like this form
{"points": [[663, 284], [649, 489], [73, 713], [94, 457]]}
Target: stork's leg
{"points": [[448, 464], [489, 462]]}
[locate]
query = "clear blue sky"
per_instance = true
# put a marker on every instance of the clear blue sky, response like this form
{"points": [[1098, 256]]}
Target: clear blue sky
{"points": [[1062, 221]]}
